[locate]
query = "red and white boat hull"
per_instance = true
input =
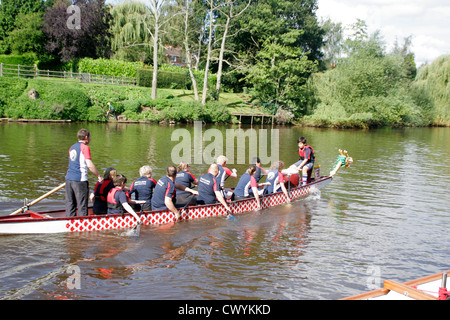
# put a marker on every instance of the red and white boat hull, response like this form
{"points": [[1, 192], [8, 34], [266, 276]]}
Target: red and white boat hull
{"points": [[56, 222]]}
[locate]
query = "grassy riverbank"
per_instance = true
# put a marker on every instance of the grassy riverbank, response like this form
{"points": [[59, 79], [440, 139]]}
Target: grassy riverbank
{"points": [[56, 100]]}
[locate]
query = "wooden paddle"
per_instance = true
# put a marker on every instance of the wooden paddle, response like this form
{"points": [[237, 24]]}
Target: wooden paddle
{"points": [[39, 199]]}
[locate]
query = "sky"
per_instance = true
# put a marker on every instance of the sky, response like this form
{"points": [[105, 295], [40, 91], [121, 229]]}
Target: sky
{"points": [[428, 22]]}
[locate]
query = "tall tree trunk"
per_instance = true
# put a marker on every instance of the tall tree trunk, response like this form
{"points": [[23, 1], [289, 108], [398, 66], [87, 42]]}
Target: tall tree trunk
{"points": [[188, 52], [222, 50], [155, 61], [208, 58]]}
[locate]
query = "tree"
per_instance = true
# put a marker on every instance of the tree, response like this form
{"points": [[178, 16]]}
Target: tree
{"points": [[9, 10], [281, 73], [137, 24], [90, 39], [210, 27], [367, 88], [187, 48], [28, 35], [268, 19], [408, 57], [332, 42], [229, 11]]}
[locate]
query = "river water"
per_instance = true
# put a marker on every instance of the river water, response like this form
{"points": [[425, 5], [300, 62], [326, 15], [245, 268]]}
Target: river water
{"points": [[385, 217]]}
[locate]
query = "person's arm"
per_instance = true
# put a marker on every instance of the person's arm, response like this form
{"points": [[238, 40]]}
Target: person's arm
{"points": [[93, 169], [283, 187], [231, 173], [254, 186], [184, 188], [219, 197], [130, 210], [169, 204], [298, 165]]}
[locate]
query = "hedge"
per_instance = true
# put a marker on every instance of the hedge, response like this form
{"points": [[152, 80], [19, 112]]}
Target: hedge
{"points": [[169, 80], [116, 68], [27, 59]]}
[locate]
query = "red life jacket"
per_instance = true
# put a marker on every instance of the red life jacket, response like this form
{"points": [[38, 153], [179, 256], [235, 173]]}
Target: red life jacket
{"points": [[100, 192], [112, 203], [301, 153]]}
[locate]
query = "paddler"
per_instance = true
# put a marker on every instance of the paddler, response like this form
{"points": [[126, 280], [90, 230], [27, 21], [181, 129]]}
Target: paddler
{"points": [[164, 195], [208, 188], [142, 187], [119, 200], [307, 158], [101, 190], [224, 171], [275, 180], [260, 171], [187, 179], [246, 183]]}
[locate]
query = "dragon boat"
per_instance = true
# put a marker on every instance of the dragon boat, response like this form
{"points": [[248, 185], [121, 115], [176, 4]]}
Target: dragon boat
{"points": [[27, 221], [32, 222]]}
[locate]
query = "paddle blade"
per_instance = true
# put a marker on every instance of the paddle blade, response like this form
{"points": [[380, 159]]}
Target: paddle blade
{"points": [[133, 232]]}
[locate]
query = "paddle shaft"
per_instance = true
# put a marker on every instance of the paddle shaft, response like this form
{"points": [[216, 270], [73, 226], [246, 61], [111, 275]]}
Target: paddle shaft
{"points": [[39, 199]]}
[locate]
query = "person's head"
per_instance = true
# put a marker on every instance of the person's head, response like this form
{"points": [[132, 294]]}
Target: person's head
{"points": [[145, 171], [171, 172], [183, 166], [251, 170], [256, 161], [84, 135], [214, 169], [110, 173], [301, 142], [222, 160], [277, 165], [120, 180]]}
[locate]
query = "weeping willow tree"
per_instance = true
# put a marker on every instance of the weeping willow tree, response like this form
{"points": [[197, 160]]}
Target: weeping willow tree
{"points": [[139, 24], [434, 81], [130, 40]]}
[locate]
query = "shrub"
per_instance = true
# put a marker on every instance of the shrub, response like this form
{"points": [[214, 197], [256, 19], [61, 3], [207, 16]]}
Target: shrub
{"points": [[132, 105], [170, 80], [27, 59], [109, 67], [56, 101]]}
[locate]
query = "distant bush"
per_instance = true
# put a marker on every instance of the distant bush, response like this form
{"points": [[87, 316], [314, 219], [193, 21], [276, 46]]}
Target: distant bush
{"points": [[27, 59], [109, 67], [166, 79]]}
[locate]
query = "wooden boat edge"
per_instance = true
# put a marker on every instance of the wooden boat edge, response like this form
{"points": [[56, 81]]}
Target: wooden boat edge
{"points": [[391, 285]]}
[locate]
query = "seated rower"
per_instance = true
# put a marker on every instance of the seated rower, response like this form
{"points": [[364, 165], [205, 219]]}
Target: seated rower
{"points": [[142, 188], [260, 171], [224, 171], [208, 188], [119, 200], [187, 179], [246, 183], [276, 180], [306, 162], [101, 190], [164, 195]]}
